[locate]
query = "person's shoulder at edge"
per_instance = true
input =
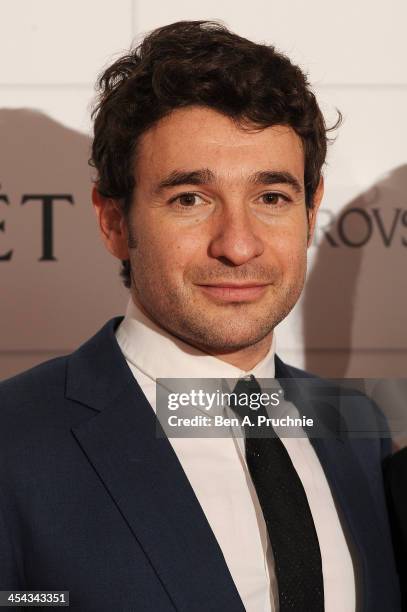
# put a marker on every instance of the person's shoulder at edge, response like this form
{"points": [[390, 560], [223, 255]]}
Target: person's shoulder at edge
{"points": [[27, 394], [36, 380], [43, 385]]}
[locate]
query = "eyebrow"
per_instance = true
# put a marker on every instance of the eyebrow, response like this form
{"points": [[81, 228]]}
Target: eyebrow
{"points": [[271, 177], [205, 176], [192, 177]]}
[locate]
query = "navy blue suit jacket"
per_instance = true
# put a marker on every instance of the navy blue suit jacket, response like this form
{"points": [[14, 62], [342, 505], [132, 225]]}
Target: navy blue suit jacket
{"points": [[93, 502]]}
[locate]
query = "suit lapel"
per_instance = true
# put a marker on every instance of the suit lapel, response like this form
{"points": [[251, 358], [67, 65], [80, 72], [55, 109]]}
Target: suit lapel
{"points": [[143, 476]]}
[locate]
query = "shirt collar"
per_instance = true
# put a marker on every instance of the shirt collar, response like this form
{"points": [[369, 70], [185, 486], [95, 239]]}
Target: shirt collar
{"points": [[159, 354]]}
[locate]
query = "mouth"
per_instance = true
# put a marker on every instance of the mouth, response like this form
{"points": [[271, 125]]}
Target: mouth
{"points": [[233, 292]]}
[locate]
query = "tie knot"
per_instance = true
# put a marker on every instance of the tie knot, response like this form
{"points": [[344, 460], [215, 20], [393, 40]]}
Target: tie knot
{"points": [[247, 385], [244, 389]]}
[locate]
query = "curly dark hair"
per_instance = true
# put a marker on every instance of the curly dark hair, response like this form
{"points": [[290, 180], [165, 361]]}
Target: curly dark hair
{"points": [[199, 63]]}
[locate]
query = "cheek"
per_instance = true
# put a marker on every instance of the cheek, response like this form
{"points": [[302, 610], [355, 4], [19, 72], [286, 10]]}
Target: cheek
{"points": [[164, 253], [288, 248]]}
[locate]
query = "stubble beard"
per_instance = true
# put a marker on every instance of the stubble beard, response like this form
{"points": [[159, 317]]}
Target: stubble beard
{"points": [[239, 326]]}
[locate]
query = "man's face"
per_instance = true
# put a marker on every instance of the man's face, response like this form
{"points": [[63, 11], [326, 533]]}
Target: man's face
{"points": [[218, 206]]}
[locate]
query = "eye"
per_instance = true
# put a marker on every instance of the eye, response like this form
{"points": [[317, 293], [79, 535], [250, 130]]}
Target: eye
{"points": [[187, 200], [273, 198]]}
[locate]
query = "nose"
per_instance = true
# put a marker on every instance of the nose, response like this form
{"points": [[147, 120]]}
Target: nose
{"points": [[234, 236]]}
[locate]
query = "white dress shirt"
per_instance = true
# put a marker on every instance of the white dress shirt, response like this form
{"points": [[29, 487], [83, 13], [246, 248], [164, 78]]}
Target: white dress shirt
{"points": [[217, 471]]}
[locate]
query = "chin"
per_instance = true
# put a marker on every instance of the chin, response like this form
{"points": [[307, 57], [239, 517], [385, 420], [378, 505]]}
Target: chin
{"points": [[226, 340]]}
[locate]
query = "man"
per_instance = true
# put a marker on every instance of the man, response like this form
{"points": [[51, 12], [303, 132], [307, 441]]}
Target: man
{"points": [[208, 150]]}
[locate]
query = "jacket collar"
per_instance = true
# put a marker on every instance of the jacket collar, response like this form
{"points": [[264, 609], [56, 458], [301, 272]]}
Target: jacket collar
{"points": [[97, 371]]}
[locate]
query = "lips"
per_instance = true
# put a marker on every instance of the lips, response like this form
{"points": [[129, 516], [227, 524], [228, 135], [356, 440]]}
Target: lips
{"points": [[233, 292], [236, 285]]}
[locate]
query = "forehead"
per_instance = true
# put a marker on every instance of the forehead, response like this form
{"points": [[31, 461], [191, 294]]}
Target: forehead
{"points": [[201, 137]]}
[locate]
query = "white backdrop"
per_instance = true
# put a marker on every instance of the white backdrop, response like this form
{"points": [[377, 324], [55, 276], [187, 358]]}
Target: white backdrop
{"points": [[352, 318]]}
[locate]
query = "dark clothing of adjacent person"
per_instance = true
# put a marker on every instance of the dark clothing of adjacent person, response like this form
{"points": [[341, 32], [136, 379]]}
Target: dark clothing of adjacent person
{"points": [[395, 471]]}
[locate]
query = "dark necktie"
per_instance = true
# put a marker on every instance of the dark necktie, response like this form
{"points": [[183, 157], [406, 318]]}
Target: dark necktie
{"points": [[286, 513]]}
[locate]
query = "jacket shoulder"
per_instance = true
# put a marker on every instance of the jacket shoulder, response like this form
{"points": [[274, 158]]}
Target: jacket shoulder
{"points": [[46, 375], [29, 394]]}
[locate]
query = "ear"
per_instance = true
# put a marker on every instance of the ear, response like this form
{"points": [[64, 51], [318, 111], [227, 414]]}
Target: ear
{"points": [[112, 224], [312, 212]]}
